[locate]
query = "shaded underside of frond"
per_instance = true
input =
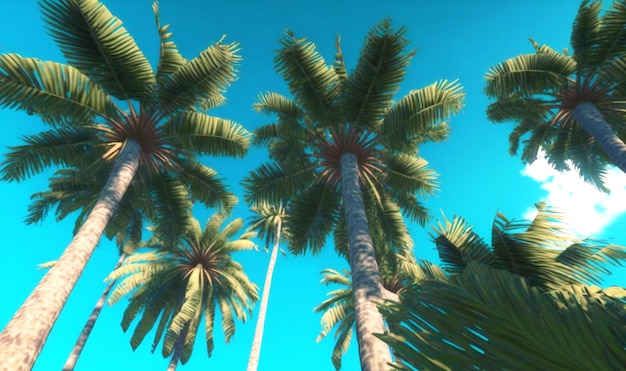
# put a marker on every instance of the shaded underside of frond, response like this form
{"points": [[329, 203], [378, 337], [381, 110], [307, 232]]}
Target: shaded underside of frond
{"points": [[94, 41]]}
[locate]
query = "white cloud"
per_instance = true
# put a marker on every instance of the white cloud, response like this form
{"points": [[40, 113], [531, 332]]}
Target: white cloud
{"points": [[588, 210]]}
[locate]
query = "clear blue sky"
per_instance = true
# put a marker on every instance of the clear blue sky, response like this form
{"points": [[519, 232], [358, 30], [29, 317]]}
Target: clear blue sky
{"points": [[455, 40]]}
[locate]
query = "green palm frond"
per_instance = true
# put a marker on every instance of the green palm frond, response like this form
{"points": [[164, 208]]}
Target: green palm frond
{"points": [[607, 44], [457, 244], [311, 218], [205, 185], [412, 208], [94, 41], [170, 199], [525, 109], [380, 70], [205, 76], [266, 220], [528, 74], [271, 183], [421, 110], [585, 32], [487, 319], [207, 135], [314, 85], [406, 173], [57, 92], [170, 59], [60, 146], [286, 109]]}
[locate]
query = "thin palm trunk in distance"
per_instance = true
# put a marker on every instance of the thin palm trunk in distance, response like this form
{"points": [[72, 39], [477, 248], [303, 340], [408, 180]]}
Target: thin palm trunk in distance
{"points": [[29, 328], [366, 282], [253, 361], [70, 364]]}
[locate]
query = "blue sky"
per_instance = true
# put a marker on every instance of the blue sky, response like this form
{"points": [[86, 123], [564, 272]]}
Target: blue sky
{"points": [[454, 40]]}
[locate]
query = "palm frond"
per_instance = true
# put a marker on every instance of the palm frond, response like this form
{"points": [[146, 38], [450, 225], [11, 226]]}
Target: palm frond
{"points": [[60, 146], [95, 42], [271, 183], [206, 134], [311, 217], [205, 186], [313, 83], [380, 70], [170, 59], [527, 74], [205, 76]]}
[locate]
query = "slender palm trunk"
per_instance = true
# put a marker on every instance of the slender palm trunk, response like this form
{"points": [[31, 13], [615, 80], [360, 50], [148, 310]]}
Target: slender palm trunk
{"points": [[366, 282], [253, 361], [23, 338], [591, 120], [178, 349], [70, 364]]}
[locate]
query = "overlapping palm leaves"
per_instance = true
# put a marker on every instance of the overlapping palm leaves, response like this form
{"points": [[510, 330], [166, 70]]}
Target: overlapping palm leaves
{"points": [[338, 310], [569, 106], [523, 302], [342, 137], [179, 283], [161, 130]]}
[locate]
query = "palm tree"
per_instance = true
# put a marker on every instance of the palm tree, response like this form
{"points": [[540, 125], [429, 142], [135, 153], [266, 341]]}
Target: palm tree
{"points": [[524, 302], [338, 310], [161, 131], [569, 106], [71, 190], [181, 282], [268, 222], [341, 147]]}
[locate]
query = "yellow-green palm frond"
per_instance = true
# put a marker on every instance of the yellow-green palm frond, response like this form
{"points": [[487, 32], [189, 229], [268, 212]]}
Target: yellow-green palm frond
{"points": [[60, 94], [420, 111], [379, 71], [205, 76], [487, 318], [170, 59], [528, 74], [313, 83], [94, 41]]}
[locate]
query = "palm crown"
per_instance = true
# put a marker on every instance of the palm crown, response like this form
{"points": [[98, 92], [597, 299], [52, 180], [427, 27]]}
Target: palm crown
{"points": [[569, 106], [336, 113], [182, 282]]}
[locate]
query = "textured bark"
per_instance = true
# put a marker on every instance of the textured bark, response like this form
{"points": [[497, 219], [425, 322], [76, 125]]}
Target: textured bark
{"points": [[178, 349], [70, 364], [23, 338], [253, 361], [366, 282], [591, 120]]}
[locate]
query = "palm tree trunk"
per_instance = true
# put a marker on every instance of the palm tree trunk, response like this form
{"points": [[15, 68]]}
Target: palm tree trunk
{"points": [[366, 282], [591, 120], [253, 361], [23, 338], [178, 349], [70, 364]]}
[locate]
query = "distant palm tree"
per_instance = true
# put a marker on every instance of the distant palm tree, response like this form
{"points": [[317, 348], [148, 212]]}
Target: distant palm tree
{"points": [[182, 282], [569, 106], [525, 302], [343, 146], [268, 222], [162, 129]]}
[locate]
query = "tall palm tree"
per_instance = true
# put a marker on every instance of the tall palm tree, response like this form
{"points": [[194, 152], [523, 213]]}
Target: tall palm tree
{"points": [[72, 190], [343, 146], [268, 223], [183, 281], [524, 302], [569, 106], [162, 128]]}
